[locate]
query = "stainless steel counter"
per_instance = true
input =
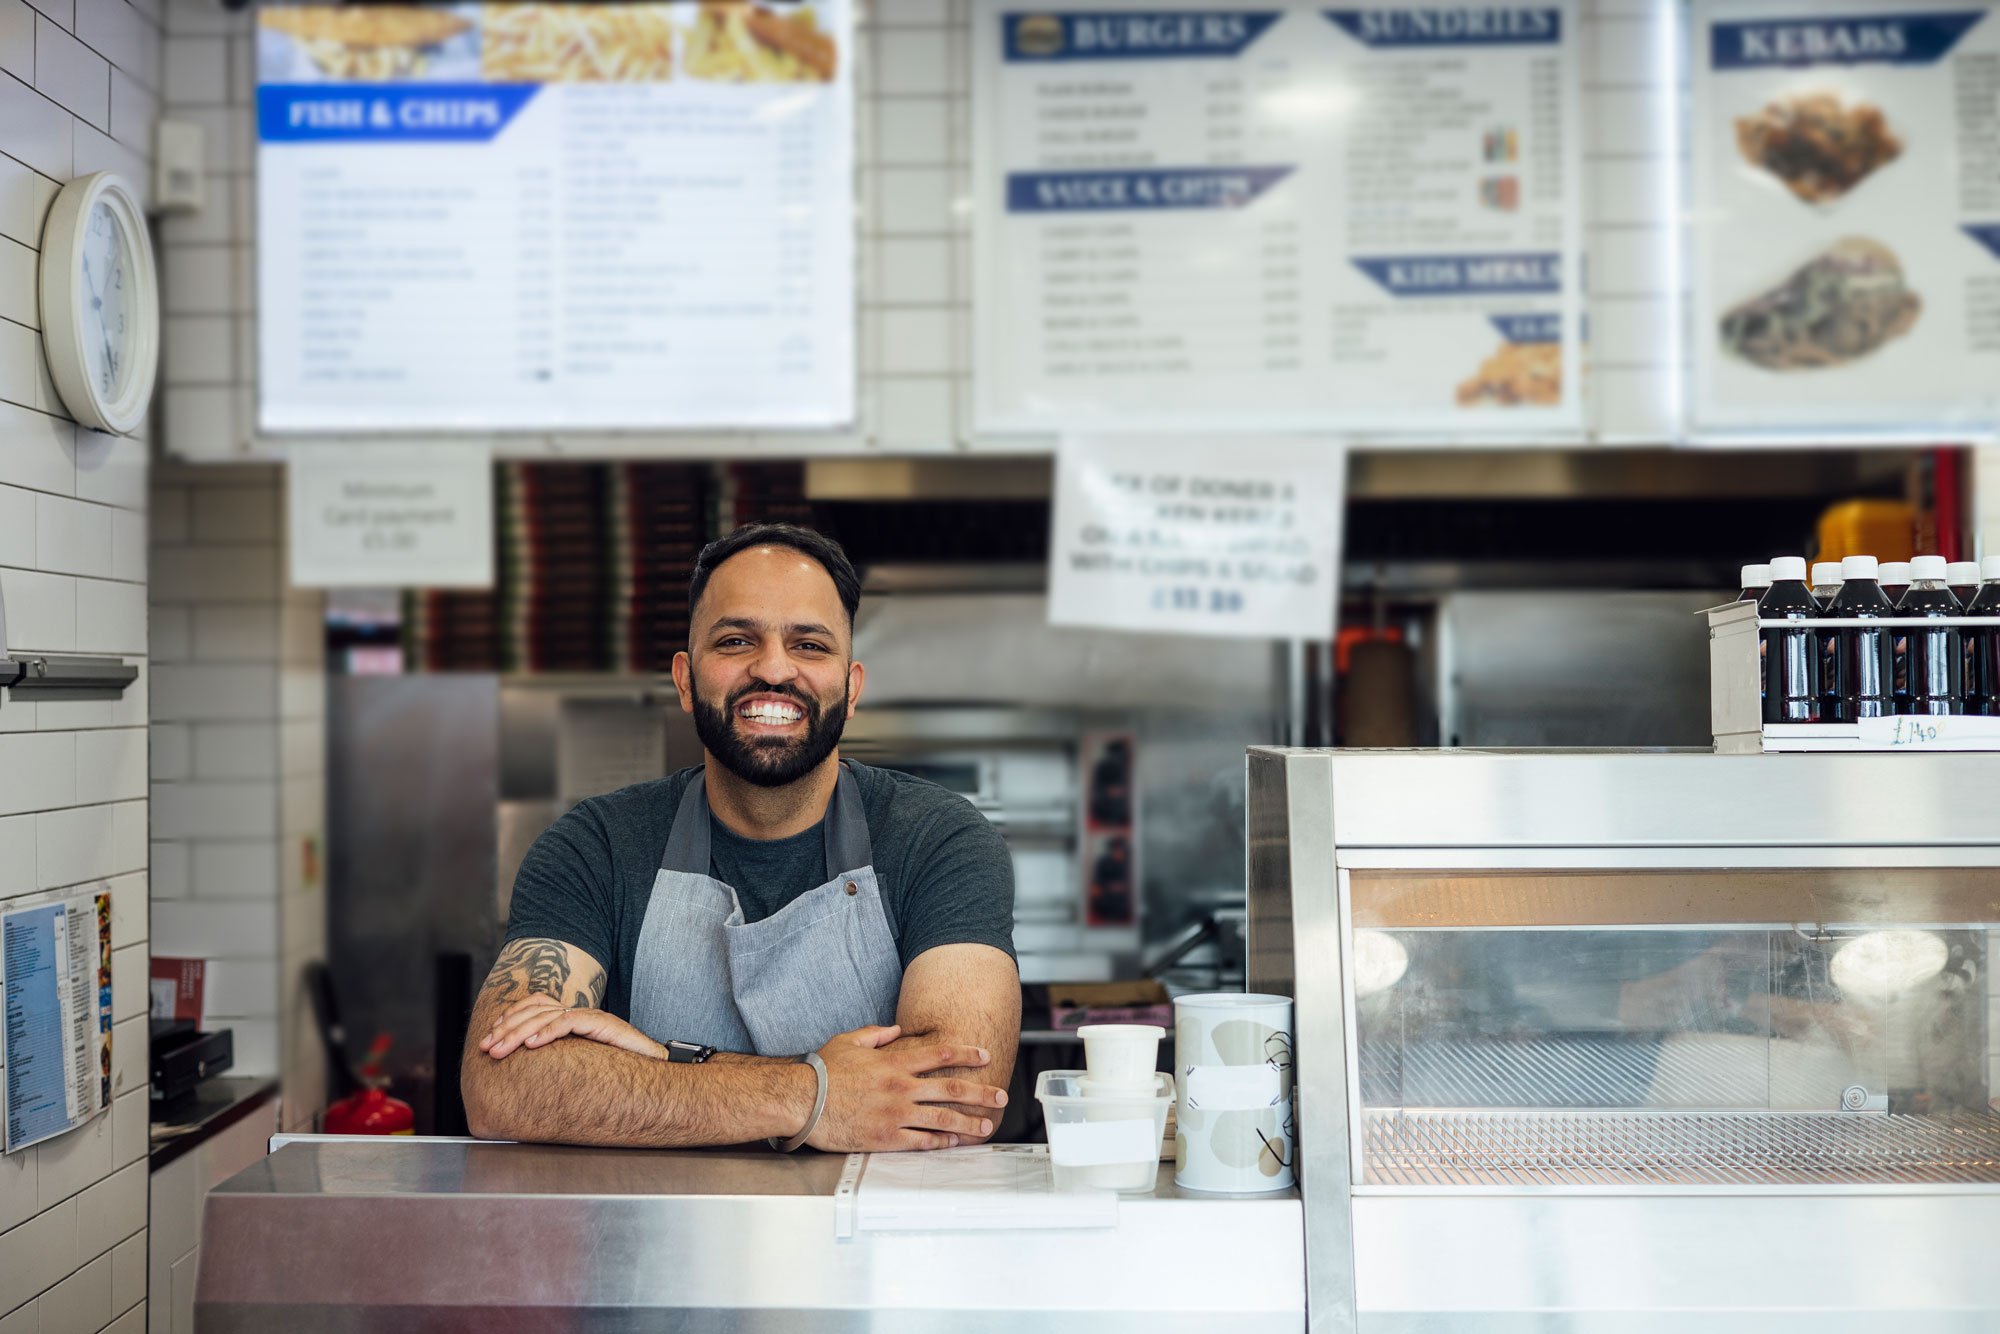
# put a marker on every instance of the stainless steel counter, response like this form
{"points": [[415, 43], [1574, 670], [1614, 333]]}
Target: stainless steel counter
{"points": [[459, 1235]]}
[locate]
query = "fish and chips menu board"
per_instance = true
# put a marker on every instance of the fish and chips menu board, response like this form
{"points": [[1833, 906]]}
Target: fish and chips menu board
{"points": [[1278, 216], [1846, 211], [55, 972], [555, 216]]}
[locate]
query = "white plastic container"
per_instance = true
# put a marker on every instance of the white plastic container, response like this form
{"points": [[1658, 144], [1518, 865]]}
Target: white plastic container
{"points": [[1107, 1140], [1120, 1056]]}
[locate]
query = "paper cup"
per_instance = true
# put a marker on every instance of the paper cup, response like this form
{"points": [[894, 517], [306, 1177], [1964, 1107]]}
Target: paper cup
{"points": [[1236, 1128], [1121, 1055]]}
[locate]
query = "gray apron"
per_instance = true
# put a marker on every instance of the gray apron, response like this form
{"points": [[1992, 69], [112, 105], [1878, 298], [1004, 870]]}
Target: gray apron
{"points": [[823, 964]]}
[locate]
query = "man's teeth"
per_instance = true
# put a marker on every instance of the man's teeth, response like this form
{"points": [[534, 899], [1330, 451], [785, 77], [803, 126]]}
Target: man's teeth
{"points": [[770, 713]]}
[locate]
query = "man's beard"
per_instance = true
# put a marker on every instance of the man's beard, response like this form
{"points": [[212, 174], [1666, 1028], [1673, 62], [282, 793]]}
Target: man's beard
{"points": [[768, 761]]}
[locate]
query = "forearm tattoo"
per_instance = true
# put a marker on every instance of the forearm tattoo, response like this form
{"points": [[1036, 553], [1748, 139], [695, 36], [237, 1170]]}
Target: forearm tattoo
{"points": [[540, 967]]}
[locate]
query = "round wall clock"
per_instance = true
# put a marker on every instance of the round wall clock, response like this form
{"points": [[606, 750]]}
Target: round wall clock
{"points": [[100, 303]]}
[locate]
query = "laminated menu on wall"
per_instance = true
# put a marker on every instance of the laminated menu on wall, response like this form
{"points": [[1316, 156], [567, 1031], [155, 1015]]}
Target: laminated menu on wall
{"points": [[1278, 216], [522, 216], [55, 972], [1846, 218]]}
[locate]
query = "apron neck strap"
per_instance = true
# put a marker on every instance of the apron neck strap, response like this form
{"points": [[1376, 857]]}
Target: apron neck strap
{"points": [[844, 827]]}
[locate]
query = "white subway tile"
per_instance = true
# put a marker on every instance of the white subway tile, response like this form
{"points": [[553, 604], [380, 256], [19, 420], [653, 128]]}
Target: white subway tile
{"points": [[68, 1163], [1631, 192], [200, 422], [128, 710], [172, 750], [128, 546], [38, 450], [169, 634], [17, 527], [916, 342], [912, 201], [90, 843], [111, 765], [213, 574], [224, 751], [212, 222], [186, 693], [128, 1273], [1626, 122], [94, 150], [41, 610], [236, 514], [198, 280], [198, 349], [17, 1192], [128, 983], [236, 634], [122, 36], [302, 693], [36, 1255], [241, 988], [913, 131], [1632, 406], [195, 71], [130, 1117], [25, 194], [19, 299], [69, 72], [1631, 331], [128, 910], [134, 110], [913, 61], [115, 1208], [915, 414], [201, 18], [37, 771], [72, 537], [81, 1302], [188, 929], [1629, 261], [1623, 52], [23, 1319], [17, 39], [134, 1320], [110, 617], [111, 469], [62, 11], [167, 870], [17, 859], [167, 516], [20, 715], [256, 1047], [215, 810], [24, 370], [235, 870], [916, 13], [913, 271], [129, 1042], [38, 131]]}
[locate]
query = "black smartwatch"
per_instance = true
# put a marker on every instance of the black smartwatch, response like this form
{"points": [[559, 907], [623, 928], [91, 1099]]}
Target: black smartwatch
{"points": [[687, 1053]]}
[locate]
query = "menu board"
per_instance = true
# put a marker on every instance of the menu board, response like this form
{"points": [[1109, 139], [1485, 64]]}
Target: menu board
{"points": [[1278, 217], [55, 972], [1846, 196], [555, 216]]}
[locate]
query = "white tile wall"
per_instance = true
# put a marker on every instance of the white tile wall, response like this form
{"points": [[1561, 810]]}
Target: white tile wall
{"points": [[73, 572]]}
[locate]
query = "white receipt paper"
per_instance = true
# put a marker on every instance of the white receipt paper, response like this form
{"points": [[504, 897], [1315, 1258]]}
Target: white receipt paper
{"points": [[984, 1186]]}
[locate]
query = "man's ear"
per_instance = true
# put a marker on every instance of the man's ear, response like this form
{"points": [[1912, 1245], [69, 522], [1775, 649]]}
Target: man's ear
{"points": [[856, 676], [684, 680]]}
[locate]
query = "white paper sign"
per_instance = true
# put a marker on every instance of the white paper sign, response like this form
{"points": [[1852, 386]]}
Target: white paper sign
{"points": [[1846, 238], [391, 515], [1282, 216], [1199, 535], [55, 970]]}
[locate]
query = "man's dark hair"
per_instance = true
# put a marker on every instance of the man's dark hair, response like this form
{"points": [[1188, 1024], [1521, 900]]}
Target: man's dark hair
{"points": [[802, 540]]}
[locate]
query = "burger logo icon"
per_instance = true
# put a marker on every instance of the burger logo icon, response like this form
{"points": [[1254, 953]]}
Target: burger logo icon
{"points": [[1038, 35]]}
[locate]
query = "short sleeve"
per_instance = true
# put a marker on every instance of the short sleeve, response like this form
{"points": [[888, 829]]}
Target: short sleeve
{"points": [[563, 890], [962, 885]]}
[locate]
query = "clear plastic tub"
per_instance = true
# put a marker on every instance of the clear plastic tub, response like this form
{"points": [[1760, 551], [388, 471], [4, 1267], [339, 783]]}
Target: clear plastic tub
{"points": [[1104, 1139]]}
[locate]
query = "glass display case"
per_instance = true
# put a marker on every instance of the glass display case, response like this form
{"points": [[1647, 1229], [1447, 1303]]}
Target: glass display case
{"points": [[1616, 1021]]}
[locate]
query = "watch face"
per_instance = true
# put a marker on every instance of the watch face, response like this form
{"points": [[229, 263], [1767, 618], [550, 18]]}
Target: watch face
{"points": [[108, 332]]}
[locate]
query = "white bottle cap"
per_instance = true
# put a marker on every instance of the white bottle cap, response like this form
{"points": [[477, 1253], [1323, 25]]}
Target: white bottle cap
{"points": [[1788, 567], [1894, 572], [1927, 567], [1756, 576], [1859, 567], [1825, 572], [1961, 572], [1989, 568]]}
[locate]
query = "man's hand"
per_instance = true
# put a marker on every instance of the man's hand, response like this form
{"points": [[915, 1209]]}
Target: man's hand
{"points": [[537, 1020], [877, 1100]]}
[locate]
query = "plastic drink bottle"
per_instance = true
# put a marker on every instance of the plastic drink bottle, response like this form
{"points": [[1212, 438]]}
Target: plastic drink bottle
{"points": [[1825, 583], [1791, 657], [1756, 578], [1865, 662], [1894, 576], [1933, 660], [1982, 645], [1825, 580], [1962, 577]]}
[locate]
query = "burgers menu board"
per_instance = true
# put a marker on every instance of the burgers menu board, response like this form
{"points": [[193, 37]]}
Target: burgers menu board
{"points": [[1277, 216], [555, 216], [1846, 214]]}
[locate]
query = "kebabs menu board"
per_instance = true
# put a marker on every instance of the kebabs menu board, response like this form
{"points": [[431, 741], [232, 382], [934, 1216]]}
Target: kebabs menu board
{"points": [[1846, 217], [555, 216], [1277, 216]]}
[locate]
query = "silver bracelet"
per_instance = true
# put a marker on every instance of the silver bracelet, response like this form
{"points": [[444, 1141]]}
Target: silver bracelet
{"points": [[812, 1059]]}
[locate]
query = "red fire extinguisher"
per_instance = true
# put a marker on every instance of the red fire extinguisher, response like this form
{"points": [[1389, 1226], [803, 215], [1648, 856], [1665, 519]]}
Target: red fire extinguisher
{"points": [[371, 1111]]}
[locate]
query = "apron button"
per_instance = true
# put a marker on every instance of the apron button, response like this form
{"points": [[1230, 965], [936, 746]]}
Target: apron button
{"points": [[853, 888]]}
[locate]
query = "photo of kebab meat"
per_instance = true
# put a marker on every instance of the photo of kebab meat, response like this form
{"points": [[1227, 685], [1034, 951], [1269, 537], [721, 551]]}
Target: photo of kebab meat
{"points": [[1841, 305], [1817, 144]]}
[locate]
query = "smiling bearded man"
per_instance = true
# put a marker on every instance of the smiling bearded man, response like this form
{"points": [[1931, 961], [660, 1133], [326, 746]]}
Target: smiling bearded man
{"points": [[776, 944]]}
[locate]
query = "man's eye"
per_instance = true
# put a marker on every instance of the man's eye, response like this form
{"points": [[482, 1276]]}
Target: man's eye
{"points": [[809, 646], [731, 642]]}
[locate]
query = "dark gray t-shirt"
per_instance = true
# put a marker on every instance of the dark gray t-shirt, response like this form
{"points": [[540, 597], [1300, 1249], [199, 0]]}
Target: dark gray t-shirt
{"points": [[945, 873]]}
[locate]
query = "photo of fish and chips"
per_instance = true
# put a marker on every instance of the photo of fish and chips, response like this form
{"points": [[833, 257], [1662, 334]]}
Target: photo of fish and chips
{"points": [[736, 41], [1817, 143], [577, 43], [1839, 306], [367, 43], [1519, 374]]}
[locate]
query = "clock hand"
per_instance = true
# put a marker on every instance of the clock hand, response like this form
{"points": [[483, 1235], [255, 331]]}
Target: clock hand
{"points": [[91, 283]]}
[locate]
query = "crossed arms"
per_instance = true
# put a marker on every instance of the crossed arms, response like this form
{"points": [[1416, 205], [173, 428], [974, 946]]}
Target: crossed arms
{"points": [[542, 1062]]}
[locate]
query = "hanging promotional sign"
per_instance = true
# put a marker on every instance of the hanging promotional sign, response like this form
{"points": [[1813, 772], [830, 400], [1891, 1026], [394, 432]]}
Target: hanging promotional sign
{"points": [[1197, 535], [1846, 197], [1279, 216], [526, 216]]}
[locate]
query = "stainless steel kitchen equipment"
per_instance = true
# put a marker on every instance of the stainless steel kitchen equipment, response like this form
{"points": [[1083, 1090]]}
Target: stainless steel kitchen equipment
{"points": [[1627, 1041], [454, 1235]]}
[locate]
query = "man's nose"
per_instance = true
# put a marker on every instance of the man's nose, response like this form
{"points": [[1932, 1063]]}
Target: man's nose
{"points": [[773, 666]]}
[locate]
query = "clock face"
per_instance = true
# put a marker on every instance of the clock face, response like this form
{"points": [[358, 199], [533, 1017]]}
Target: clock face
{"points": [[104, 306]]}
